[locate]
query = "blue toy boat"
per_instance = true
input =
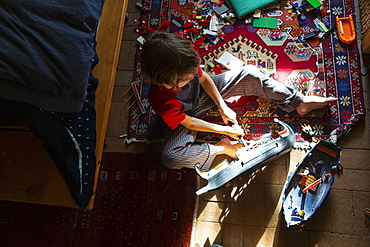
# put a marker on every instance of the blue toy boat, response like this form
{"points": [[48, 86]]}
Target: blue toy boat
{"points": [[308, 185]]}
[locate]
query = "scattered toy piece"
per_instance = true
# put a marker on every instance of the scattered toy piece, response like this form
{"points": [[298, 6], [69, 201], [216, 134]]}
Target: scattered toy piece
{"points": [[229, 61], [346, 29], [265, 22]]}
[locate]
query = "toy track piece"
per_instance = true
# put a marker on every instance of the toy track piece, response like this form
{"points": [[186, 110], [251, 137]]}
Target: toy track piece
{"points": [[249, 159]]}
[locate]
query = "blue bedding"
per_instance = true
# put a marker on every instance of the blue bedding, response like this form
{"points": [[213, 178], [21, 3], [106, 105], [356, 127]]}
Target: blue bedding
{"points": [[47, 52]]}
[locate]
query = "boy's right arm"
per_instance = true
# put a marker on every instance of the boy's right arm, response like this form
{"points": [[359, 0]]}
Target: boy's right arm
{"points": [[200, 125]]}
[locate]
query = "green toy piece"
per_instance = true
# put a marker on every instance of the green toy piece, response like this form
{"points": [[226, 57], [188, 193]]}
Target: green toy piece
{"points": [[314, 3], [265, 22]]}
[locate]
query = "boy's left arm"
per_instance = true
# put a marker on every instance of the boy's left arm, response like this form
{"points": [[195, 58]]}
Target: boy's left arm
{"points": [[209, 86]]}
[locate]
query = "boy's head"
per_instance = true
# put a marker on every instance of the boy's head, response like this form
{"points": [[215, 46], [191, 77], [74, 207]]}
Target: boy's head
{"points": [[167, 58]]}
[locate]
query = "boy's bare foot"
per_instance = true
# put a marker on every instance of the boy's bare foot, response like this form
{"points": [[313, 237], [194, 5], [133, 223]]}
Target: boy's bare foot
{"points": [[225, 147], [310, 103]]}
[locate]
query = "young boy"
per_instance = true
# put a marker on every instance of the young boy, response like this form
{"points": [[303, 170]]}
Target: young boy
{"points": [[181, 93]]}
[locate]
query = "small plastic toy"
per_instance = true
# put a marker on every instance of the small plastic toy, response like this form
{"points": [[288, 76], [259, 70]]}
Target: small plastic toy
{"points": [[346, 29], [229, 61], [142, 7], [314, 3], [305, 37]]}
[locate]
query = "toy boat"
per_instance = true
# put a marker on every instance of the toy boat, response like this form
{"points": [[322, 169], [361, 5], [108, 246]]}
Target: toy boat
{"points": [[308, 185], [346, 29], [250, 158]]}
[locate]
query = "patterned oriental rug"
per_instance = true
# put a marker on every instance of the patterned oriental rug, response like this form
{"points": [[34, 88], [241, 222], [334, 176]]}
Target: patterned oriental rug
{"points": [[137, 203], [324, 67]]}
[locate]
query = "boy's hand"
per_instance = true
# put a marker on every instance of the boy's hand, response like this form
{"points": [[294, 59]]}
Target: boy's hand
{"points": [[228, 115], [235, 131], [200, 125], [229, 118]]}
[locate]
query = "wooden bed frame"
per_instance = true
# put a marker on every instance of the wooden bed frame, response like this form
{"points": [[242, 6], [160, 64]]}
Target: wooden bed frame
{"points": [[27, 173]]}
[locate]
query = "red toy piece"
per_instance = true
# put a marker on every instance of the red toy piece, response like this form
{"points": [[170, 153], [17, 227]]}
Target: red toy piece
{"points": [[164, 25]]}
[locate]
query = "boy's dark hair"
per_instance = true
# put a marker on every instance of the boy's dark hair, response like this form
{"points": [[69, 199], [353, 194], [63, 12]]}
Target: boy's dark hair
{"points": [[166, 58]]}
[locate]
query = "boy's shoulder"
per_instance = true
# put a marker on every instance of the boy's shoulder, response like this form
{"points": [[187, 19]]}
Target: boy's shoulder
{"points": [[158, 90], [160, 95]]}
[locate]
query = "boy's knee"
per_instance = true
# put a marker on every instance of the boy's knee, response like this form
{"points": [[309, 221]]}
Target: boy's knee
{"points": [[253, 70], [170, 161]]}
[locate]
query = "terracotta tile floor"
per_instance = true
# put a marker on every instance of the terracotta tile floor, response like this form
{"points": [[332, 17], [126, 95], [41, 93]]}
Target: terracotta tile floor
{"points": [[244, 215]]}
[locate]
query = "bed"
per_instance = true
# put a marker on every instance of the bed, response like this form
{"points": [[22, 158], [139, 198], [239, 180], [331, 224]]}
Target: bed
{"points": [[44, 158]]}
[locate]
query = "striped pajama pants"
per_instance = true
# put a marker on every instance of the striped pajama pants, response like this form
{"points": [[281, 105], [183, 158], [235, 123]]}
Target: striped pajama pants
{"points": [[180, 149]]}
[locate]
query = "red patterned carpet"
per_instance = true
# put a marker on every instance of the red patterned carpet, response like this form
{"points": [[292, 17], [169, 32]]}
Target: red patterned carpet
{"points": [[324, 67], [137, 203]]}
